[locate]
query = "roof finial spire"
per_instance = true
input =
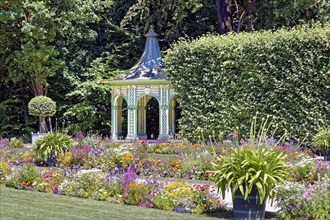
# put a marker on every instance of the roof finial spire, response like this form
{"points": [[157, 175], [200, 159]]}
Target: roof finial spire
{"points": [[151, 29], [151, 32]]}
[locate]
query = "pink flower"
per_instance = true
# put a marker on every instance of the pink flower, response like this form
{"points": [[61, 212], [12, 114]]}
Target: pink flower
{"points": [[234, 134]]}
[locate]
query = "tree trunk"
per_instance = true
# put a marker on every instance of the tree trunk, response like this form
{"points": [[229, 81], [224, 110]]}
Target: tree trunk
{"points": [[224, 16], [248, 13], [42, 125], [251, 10], [24, 105], [38, 88]]}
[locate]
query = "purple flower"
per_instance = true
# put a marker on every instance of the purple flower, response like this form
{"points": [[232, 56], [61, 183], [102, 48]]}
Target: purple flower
{"points": [[79, 135], [179, 209], [128, 177]]}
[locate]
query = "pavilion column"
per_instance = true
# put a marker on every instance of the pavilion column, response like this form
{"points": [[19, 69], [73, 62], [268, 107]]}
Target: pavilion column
{"points": [[164, 113], [114, 122], [172, 120], [116, 117], [142, 118], [132, 114]]}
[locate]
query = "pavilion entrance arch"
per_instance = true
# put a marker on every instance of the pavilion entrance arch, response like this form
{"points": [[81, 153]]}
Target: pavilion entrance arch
{"points": [[174, 115], [148, 117], [119, 117]]}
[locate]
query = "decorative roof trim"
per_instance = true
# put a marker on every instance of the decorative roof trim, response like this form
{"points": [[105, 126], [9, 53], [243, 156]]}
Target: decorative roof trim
{"points": [[135, 82]]}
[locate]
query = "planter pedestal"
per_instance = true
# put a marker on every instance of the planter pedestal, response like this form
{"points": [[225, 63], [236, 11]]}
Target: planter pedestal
{"points": [[37, 136], [327, 155], [51, 161], [248, 209]]}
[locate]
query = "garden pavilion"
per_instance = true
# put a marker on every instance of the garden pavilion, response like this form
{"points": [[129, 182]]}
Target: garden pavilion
{"points": [[132, 93]]}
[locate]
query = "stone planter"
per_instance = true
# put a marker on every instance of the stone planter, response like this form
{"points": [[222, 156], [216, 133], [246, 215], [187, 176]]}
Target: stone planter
{"points": [[37, 136], [327, 155], [248, 209], [51, 161]]}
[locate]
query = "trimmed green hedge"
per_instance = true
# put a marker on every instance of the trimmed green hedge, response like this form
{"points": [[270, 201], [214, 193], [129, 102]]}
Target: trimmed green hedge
{"points": [[224, 80]]}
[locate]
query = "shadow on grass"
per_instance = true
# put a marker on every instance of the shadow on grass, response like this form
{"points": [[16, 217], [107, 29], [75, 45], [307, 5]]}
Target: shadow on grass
{"points": [[223, 214]]}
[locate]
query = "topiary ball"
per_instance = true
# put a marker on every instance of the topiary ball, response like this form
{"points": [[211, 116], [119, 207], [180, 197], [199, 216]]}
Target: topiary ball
{"points": [[42, 106]]}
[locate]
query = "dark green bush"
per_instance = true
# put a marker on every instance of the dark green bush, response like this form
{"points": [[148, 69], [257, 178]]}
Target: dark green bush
{"points": [[223, 81]]}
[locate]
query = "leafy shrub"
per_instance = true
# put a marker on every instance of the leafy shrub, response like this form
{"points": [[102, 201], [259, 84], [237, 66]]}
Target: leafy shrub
{"points": [[248, 168], [27, 158], [52, 179], [89, 182], [321, 141], [65, 160], [92, 185], [69, 187], [26, 178], [305, 170], [297, 200], [4, 172], [136, 193], [180, 195], [79, 154], [53, 144], [223, 81], [319, 205], [15, 143]]}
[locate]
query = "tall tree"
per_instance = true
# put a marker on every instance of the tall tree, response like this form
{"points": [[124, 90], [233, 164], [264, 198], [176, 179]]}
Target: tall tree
{"points": [[47, 45], [171, 18], [224, 16], [27, 53]]}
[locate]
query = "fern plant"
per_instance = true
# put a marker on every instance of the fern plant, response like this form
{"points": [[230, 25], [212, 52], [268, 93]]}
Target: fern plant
{"points": [[52, 144]]}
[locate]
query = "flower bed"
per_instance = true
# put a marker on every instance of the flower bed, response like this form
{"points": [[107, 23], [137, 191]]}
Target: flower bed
{"points": [[130, 174], [126, 188]]}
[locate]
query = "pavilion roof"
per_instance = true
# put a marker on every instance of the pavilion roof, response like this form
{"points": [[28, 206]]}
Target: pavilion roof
{"points": [[150, 65]]}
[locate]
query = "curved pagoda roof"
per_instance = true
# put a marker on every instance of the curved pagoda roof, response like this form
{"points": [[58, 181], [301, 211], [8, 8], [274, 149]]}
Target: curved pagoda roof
{"points": [[149, 68]]}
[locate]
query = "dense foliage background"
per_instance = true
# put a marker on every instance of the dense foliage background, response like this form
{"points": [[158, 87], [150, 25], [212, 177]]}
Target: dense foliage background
{"points": [[63, 48], [223, 81]]}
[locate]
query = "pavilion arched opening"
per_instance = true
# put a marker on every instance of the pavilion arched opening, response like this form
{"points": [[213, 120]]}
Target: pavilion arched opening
{"points": [[148, 117], [174, 115], [119, 128]]}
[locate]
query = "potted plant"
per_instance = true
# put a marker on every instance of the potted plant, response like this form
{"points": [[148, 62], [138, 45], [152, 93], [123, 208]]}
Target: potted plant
{"points": [[321, 141], [42, 107], [251, 174], [50, 146]]}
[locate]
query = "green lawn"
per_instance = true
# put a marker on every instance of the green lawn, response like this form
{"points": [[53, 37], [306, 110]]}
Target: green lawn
{"points": [[18, 204]]}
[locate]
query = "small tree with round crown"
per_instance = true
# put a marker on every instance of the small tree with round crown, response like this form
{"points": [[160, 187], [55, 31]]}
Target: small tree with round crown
{"points": [[42, 107]]}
